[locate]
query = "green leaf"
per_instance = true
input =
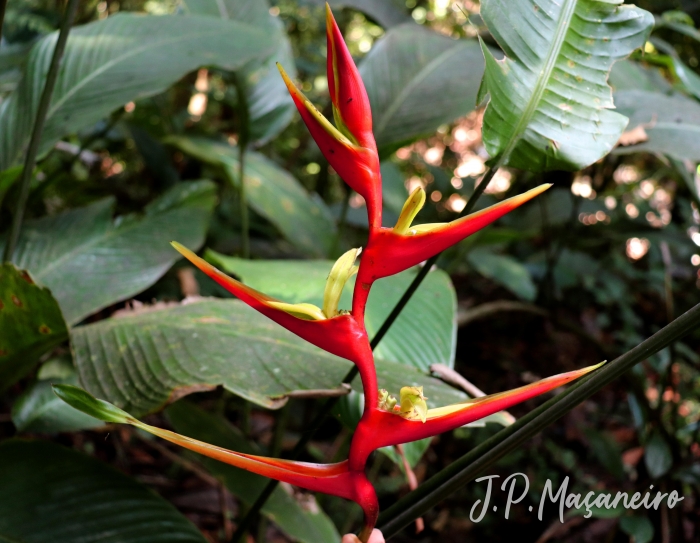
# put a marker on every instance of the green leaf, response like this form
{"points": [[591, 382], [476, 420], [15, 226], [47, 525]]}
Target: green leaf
{"points": [[142, 361], [82, 401], [30, 323], [423, 334], [38, 409], [640, 529], [657, 456], [689, 79], [90, 261], [111, 62], [672, 123], [272, 192], [270, 108], [306, 523], [416, 80], [50, 494], [386, 12], [504, 270], [550, 105]]}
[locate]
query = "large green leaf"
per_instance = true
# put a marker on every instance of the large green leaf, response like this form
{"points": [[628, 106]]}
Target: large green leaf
{"points": [[272, 192], [270, 108], [142, 361], [90, 261], [416, 80], [50, 494], [672, 123], [30, 323], [300, 522], [425, 332], [386, 12], [38, 409], [550, 100], [505, 270], [109, 63]]}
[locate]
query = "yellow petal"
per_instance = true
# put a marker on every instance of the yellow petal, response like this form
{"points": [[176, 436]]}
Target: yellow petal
{"points": [[343, 269], [303, 311], [411, 207]]}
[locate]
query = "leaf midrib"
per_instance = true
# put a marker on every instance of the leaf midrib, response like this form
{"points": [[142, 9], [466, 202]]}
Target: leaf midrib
{"points": [[422, 75], [112, 232], [562, 30]]}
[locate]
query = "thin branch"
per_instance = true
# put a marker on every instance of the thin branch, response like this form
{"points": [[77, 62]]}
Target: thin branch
{"points": [[479, 459], [42, 110]]}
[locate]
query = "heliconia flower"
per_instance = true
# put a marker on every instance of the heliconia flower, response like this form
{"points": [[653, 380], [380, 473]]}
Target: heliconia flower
{"points": [[334, 479], [349, 146], [388, 424], [337, 333], [393, 250]]}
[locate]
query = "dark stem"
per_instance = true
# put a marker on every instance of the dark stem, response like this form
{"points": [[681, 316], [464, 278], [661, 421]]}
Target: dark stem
{"points": [[469, 466], [3, 5], [35, 140], [330, 403]]}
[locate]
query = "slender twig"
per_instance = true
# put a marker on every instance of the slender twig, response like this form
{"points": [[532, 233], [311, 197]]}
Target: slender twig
{"points": [[469, 466], [35, 140], [329, 404]]}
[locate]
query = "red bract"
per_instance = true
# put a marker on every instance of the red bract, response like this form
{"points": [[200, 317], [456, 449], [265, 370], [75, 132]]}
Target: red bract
{"points": [[349, 146], [350, 149]]}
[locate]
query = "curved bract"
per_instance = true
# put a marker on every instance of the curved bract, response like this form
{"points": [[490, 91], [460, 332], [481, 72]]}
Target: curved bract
{"points": [[350, 148]]}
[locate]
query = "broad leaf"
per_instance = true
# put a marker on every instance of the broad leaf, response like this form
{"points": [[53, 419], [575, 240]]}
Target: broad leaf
{"points": [[302, 522], [386, 12], [38, 409], [672, 123], [142, 361], [416, 80], [425, 332], [111, 62], [272, 192], [30, 323], [504, 270], [91, 261], [270, 108], [550, 105], [51, 494]]}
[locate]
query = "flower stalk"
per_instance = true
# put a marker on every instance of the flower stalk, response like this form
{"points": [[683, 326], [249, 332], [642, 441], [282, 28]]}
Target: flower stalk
{"points": [[350, 148]]}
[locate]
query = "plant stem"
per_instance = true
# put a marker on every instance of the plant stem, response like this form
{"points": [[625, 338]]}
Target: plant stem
{"points": [[3, 5], [469, 466], [330, 403], [243, 137], [35, 140], [418, 279]]}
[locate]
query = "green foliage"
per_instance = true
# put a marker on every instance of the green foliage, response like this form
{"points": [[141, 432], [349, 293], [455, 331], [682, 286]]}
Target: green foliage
{"points": [[90, 260], [304, 220], [97, 503], [604, 259], [30, 320], [411, 68], [109, 63], [430, 314], [549, 102]]}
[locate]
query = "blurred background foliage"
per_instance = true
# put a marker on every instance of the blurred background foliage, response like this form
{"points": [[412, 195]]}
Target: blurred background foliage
{"points": [[144, 145]]}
